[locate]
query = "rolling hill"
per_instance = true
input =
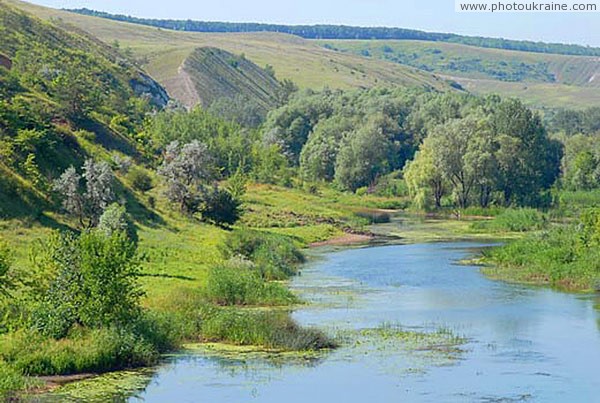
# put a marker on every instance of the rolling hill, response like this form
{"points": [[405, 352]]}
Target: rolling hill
{"points": [[542, 80], [64, 96], [162, 53]]}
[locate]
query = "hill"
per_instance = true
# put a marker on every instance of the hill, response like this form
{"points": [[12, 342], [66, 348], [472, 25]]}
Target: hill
{"points": [[162, 53], [539, 79], [474, 62], [547, 80], [350, 32], [63, 97], [209, 74]]}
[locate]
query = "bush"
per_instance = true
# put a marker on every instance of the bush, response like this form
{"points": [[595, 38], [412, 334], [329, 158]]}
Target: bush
{"points": [[140, 180], [11, 380], [6, 259], [567, 257], [275, 256], [97, 350], [240, 284], [94, 282], [115, 219], [514, 220], [275, 330], [219, 207]]}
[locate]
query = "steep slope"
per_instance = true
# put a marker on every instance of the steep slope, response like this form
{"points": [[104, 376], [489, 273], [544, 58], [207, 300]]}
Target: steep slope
{"points": [[64, 97], [309, 65], [209, 74]]}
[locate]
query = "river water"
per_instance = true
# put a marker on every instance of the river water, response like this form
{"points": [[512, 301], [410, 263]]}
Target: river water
{"points": [[518, 343]]}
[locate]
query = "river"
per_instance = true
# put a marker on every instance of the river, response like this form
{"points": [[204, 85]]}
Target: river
{"points": [[476, 340]]}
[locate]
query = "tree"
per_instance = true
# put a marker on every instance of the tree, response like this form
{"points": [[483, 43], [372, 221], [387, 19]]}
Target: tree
{"points": [[424, 180], [219, 207], [94, 282], [529, 161], [185, 169], [362, 157], [461, 150], [317, 159], [115, 219], [86, 202]]}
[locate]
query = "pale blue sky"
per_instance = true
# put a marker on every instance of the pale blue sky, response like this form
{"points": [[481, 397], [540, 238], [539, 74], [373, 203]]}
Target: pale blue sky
{"points": [[428, 15]]}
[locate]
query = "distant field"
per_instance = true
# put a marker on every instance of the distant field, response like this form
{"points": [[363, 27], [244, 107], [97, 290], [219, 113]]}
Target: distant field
{"points": [[306, 63], [541, 80], [474, 62], [544, 95]]}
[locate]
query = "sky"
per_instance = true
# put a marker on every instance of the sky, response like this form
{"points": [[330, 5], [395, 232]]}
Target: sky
{"points": [[427, 15]]}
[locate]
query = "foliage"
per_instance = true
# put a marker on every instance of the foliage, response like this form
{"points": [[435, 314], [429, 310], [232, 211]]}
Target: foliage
{"points": [[275, 256], [241, 110], [237, 282], [89, 201], [581, 162], [514, 220], [219, 207], [115, 220], [185, 169], [491, 151], [140, 179], [6, 260], [97, 350], [93, 282], [270, 329], [567, 257]]}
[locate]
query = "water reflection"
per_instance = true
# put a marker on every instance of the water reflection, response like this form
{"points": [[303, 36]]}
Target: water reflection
{"points": [[523, 343]]}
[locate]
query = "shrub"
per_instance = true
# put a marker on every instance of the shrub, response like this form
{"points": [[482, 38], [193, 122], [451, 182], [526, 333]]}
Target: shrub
{"points": [[94, 282], [275, 256], [241, 284], [97, 350], [6, 259], [514, 220], [275, 330], [219, 207], [11, 380], [140, 180], [115, 219]]}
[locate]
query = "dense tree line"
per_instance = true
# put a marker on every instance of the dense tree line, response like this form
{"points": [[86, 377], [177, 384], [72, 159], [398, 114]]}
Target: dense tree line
{"points": [[454, 146], [350, 32]]}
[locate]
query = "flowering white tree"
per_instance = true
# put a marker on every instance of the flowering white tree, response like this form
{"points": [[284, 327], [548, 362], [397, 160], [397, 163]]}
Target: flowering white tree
{"points": [[87, 202], [185, 169]]}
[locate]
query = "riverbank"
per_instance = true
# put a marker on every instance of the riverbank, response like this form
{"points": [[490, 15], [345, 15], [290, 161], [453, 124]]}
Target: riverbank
{"points": [[562, 256]]}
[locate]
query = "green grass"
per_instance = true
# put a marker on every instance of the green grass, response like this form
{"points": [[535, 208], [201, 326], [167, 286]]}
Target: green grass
{"points": [[241, 284], [268, 329], [513, 220], [306, 63], [554, 258], [539, 79], [475, 62]]}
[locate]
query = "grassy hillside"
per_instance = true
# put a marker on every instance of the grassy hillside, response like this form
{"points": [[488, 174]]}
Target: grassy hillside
{"points": [[473, 62], [324, 31], [209, 74], [64, 96], [549, 80], [309, 65]]}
